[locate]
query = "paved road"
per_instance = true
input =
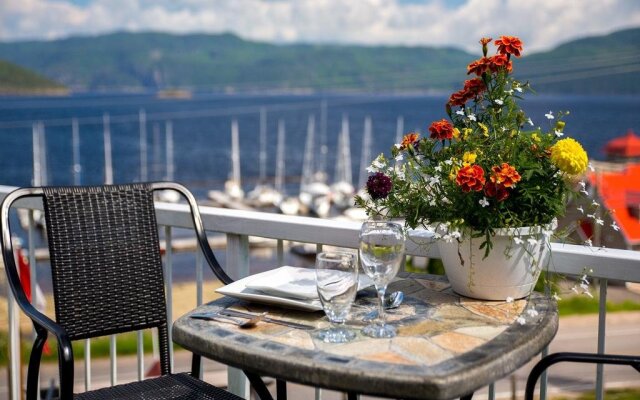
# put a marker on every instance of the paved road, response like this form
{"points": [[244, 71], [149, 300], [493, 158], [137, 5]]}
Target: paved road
{"points": [[576, 334]]}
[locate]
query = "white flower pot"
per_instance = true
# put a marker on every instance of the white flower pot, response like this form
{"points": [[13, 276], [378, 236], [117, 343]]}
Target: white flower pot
{"points": [[511, 269]]}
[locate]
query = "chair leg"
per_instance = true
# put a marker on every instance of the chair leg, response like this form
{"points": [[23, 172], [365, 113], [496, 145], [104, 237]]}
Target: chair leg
{"points": [[258, 385], [281, 389], [33, 372], [196, 365]]}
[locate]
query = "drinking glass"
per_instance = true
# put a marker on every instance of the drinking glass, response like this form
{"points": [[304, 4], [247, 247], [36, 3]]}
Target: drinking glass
{"points": [[381, 251], [337, 283]]}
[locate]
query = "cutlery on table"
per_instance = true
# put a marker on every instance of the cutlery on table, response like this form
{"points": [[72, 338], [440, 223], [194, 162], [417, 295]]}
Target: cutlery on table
{"points": [[249, 323], [241, 314]]}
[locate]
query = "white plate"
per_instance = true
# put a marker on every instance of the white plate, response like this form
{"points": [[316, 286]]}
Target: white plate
{"points": [[286, 286]]}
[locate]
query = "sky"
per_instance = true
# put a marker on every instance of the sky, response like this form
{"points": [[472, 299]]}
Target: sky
{"points": [[541, 24]]}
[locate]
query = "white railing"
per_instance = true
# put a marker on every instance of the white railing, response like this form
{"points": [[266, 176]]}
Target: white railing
{"points": [[238, 226]]}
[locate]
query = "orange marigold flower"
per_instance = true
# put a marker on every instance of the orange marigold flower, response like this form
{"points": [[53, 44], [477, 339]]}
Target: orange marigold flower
{"points": [[478, 67], [505, 175], [474, 86], [509, 45], [409, 139], [441, 130], [500, 61], [491, 189], [470, 178], [485, 40], [459, 98]]}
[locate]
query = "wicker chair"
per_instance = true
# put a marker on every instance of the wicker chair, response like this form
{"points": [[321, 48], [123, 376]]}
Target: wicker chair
{"points": [[107, 279]]}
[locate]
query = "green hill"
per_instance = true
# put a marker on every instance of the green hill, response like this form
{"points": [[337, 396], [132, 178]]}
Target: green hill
{"points": [[17, 80], [134, 61]]}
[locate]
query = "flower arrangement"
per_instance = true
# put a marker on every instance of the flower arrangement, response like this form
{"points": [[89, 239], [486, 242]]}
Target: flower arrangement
{"points": [[486, 167]]}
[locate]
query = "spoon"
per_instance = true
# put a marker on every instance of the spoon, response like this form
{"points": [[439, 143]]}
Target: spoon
{"points": [[243, 324], [392, 301]]}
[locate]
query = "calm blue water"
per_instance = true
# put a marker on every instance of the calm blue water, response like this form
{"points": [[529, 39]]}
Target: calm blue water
{"points": [[201, 129]]}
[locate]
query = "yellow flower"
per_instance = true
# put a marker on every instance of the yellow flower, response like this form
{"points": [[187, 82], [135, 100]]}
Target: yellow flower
{"points": [[469, 157], [569, 156], [454, 172], [483, 127], [456, 133], [466, 132], [535, 138]]}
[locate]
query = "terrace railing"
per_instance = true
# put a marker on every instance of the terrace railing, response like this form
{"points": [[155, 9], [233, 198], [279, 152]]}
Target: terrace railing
{"points": [[239, 226]]}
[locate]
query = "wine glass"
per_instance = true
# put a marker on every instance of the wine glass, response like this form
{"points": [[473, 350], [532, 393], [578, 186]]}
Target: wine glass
{"points": [[337, 283], [381, 251]]}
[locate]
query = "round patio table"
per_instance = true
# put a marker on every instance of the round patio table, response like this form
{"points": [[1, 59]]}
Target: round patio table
{"points": [[447, 345]]}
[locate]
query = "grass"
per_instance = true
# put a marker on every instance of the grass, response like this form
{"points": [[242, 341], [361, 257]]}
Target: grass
{"points": [[613, 394]]}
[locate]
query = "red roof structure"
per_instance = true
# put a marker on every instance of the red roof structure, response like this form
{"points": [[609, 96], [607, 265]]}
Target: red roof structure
{"points": [[620, 193], [627, 146]]}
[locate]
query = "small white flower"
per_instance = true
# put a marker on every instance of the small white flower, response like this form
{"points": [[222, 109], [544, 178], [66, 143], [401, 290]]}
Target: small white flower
{"points": [[592, 216], [584, 286], [556, 297], [584, 192], [448, 162], [580, 209], [615, 226], [509, 299], [445, 200], [484, 202], [518, 89], [509, 92], [588, 242], [521, 320], [371, 169], [437, 235], [588, 294], [517, 240], [400, 157], [583, 184], [532, 312], [456, 234], [460, 112], [558, 133], [532, 241], [591, 168], [447, 238], [575, 290], [400, 175], [432, 203], [499, 102], [472, 117], [438, 168], [599, 221], [549, 115], [529, 121], [397, 145], [434, 180], [595, 204]]}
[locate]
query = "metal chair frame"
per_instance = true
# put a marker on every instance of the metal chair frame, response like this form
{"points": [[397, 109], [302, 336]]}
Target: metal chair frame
{"points": [[44, 325]]}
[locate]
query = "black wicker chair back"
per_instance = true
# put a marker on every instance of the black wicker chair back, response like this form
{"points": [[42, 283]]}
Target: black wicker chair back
{"points": [[107, 278], [105, 259]]}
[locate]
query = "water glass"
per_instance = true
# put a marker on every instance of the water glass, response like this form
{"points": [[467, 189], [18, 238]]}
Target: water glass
{"points": [[381, 252], [337, 283]]}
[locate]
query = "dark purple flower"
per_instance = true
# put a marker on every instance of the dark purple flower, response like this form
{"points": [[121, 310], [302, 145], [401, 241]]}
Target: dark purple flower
{"points": [[378, 186]]}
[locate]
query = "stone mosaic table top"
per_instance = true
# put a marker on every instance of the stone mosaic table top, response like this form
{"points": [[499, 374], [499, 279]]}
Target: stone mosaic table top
{"points": [[447, 345]]}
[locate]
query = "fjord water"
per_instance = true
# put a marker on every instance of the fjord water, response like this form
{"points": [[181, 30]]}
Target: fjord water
{"points": [[201, 131]]}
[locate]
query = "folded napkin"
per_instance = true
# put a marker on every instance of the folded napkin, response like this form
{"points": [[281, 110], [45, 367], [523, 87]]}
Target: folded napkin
{"points": [[294, 283]]}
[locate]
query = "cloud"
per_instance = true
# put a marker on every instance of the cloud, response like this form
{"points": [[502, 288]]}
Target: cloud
{"points": [[541, 24]]}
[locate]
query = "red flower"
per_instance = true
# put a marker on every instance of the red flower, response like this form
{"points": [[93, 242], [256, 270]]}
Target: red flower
{"points": [[491, 189], [470, 178], [500, 61], [459, 98], [505, 175], [441, 130], [474, 86], [509, 45], [409, 139], [379, 186], [478, 67]]}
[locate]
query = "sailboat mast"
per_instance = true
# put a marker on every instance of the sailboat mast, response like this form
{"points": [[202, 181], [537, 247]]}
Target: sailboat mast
{"points": [[263, 145], [168, 131], [399, 129], [235, 151], [75, 148], [142, 119], [108, 162], [35, 143], [280, 157], [365, 157], [307, 164], [343, 163]]}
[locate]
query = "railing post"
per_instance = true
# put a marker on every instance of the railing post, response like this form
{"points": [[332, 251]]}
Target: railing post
{"points": [[602, 323], [14, 348], [168, 278], [238, 262]]}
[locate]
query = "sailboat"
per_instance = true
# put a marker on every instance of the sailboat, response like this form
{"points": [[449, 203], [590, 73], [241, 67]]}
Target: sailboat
{"points": [[263, 195], [356, 213], [170, 196], [39, 173], [288, 205], [314, 193], [342, 190]]}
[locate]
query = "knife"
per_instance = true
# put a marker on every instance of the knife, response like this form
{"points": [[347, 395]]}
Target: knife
{"points": [[240, 314]]}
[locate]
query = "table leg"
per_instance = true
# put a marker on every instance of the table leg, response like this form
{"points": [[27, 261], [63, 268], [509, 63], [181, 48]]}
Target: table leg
{"points": [[281, 389], [258, 385]]}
